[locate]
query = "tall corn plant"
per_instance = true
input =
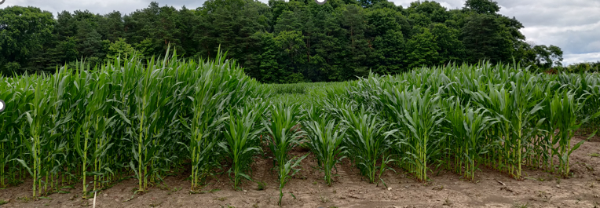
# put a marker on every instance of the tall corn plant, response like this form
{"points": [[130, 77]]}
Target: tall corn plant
{"points": [[468, 138], [208, 116], [37, 117], [368, 142], [516, 108], [566, 106], [11, 120], [284, 135], [419, 118]]}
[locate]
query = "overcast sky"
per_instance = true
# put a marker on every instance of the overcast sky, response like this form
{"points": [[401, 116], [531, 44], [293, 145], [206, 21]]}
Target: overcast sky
{"points": [[573, 25]]}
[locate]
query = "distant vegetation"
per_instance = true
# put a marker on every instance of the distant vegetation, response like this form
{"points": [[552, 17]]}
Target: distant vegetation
{"points": [[282, 42], [585, 67]]}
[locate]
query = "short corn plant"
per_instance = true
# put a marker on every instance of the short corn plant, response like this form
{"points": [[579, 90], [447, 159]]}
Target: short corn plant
{"points": [[368, 142], [284, 135], [326, 138], [241, 142]]}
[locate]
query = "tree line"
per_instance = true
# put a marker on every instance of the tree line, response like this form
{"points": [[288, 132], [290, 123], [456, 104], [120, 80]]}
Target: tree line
{"points": [[278, 42]]}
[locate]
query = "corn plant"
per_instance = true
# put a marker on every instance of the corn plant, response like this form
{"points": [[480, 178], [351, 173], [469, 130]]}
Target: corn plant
{"points": [[241, 142], [566, 106], [284, 134], [208, 116], [467, 139], [325, 139], [421, 119], [368, 142]]}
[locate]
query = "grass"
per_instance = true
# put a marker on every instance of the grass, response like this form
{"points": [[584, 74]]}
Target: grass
{"points": [[260, 185], [304, 94]]}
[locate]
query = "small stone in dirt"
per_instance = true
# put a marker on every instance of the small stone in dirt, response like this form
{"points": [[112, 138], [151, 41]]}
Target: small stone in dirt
{"points": [[507, 189], [557, 186], [105, 195], [389, 188]]}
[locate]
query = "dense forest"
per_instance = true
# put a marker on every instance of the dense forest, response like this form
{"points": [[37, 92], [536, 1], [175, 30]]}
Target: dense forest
{"points": [[282, 42]]}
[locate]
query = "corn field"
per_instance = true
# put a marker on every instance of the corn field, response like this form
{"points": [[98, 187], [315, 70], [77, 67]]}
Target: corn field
{"points": [[95, 126]]}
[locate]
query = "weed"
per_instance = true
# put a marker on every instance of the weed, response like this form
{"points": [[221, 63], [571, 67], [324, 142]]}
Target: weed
{"points": [[176, 189], [261, 185], [522, 205], [24, 199]]}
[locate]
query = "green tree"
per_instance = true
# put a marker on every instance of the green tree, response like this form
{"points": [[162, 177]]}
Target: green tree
{"points": [[291, 44], [450, 47], [486, 38], [385, 29], [23, 31], [357, 47], [422, 50], [269, 69], [287, 21], [90, 44], [111, 26], [482, 6], [120, 48], [548, 56]]}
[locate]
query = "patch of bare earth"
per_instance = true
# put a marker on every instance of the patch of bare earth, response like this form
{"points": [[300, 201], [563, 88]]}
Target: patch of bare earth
{"points": [[307, 189]]}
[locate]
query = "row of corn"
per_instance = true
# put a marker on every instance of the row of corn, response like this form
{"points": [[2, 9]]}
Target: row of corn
{"points": [[149, 120]]}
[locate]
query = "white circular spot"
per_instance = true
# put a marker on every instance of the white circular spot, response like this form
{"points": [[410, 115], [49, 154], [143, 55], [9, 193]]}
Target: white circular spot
{"points": [[1, 105]]}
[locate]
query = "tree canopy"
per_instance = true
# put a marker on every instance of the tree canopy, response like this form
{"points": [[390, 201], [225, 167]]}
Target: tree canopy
{"points": [[278, 42]]}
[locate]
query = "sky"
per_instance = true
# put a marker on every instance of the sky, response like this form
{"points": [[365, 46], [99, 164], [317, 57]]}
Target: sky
{"points": [[572, 25]]}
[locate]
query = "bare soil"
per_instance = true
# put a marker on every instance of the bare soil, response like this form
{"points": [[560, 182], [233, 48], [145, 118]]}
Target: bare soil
{"points": [[446, 189]]}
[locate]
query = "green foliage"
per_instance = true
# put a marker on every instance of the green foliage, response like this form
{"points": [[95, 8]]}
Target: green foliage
{"points": [[423, 50], [485, 37], [325, 139], [284, 134], [242, 141], [368, 141], [128, 119], [123, 119], [24, 30], [120, 48], [483, 6], [282, 42]]}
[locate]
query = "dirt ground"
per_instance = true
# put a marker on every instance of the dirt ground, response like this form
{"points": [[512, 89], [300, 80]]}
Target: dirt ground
{"points": [[490, 189]]}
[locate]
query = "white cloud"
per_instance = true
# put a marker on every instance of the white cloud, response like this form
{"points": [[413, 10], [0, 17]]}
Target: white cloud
{"points": [[578, 58], [572, 25]]}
